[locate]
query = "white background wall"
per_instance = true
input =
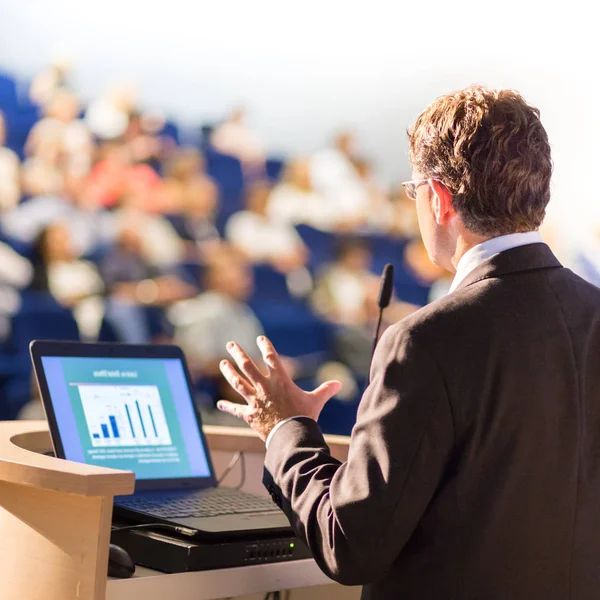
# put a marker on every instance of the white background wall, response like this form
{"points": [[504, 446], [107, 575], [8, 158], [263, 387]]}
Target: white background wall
{"points": [[306, 69]]}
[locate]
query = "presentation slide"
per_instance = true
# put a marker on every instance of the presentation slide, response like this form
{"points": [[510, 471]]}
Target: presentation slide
{"points": [[121, 413], [127, 415]]}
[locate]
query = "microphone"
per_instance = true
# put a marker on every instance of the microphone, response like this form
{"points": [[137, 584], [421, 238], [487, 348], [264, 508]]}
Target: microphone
{"points": [[383, 301]]}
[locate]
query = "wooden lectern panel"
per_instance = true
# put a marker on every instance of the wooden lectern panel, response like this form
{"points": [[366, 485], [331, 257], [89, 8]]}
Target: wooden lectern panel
{"points": [[55, 519]]}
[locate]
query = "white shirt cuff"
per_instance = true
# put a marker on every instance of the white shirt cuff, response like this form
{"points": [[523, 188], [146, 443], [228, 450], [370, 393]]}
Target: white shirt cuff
{"points": [[278, 426]]}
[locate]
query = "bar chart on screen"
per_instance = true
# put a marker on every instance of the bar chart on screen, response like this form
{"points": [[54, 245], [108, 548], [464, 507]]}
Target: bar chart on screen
{"points": [[124, 415]]}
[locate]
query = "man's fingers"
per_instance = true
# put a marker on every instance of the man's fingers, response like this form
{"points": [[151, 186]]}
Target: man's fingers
{"points": [[236, 381], [237, 410], [246, 364], [269, 354], [326, 391]]}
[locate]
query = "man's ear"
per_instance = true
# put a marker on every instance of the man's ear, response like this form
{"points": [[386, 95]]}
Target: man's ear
{"points": [[441, 202]]}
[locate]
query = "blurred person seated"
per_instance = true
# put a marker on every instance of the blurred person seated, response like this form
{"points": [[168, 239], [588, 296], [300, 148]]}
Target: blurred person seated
{"points": [[10, 186], [335, 177], [74, 283], [234, 137], [346, 294], [47, 82], [133, 283], [293, 201], [161, 247], [263, 240], [191, 200], [115, 174], [417, 260], [142, 143], [61, 139], [107, 117], [72, 205], [205, 324], [16, 273], [586, 261], [381, 208], [220, 314], [404, 221]]}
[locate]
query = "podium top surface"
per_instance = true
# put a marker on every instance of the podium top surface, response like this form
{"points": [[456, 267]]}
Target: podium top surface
{"points": [[22, 463]]}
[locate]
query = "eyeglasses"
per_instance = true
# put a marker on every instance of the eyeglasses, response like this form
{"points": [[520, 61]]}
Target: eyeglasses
{"points": [[410, 187]]}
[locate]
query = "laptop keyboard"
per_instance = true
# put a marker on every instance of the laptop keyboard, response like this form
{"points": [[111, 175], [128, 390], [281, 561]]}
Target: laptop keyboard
{"points": [[218, 501]]}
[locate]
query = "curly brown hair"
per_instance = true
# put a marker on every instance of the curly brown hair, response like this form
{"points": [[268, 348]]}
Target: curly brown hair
{"points": [[489, 148]]}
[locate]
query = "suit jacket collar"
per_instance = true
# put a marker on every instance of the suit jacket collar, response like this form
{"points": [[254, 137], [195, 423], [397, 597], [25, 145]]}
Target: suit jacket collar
{"points": [[531, 257]]}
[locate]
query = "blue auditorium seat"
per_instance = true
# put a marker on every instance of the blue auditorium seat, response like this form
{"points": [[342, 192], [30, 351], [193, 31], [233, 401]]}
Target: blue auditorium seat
{"points": [[227, 173], [289, 323], [407, 286], [39, 317], [171, 130], [274, 168], [19, 122], [8, 92], [321, 245]]}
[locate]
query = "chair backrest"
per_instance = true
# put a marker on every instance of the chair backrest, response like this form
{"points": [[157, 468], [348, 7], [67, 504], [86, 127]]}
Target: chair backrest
{"points": [[41, 317], [321, 244], [270, 287], [227, 173]]}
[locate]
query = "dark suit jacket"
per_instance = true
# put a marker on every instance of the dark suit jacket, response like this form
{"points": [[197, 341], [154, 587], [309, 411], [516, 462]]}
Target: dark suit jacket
{"points": [[474, 465]]}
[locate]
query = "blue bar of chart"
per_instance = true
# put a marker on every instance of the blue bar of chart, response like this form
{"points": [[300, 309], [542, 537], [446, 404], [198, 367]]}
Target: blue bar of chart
{"points": [[113, 424], [129, 419], [121, 415], [141, 420], [152, 419]]}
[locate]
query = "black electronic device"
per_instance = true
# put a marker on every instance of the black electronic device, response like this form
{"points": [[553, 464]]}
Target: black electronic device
{"points": [[130, 407], [171, 553], [120, 563]]}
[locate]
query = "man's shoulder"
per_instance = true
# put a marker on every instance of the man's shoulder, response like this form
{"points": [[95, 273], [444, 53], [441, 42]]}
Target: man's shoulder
{"points": [[438, 311], [484, 303], [448, 320]]}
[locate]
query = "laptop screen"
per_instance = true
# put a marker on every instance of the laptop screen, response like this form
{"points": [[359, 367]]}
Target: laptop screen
{"points": [[134, 414]]}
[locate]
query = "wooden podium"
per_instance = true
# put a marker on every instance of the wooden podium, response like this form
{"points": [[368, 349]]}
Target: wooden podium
{"points": [[55, 519]]}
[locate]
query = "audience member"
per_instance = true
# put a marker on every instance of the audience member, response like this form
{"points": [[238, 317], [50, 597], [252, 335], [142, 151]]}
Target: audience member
{"points": [[89, 227], [234, 137], [74, 283], [10, 188], [587, 257], [418, 261], [220, 314], [160, 244], [191, 200], [47, 82], [403, 221], [380, 206], [263, 240], [143, 145], [293, 201], [133, 283], [346, 294], [107, 117], [15, 273], [335, 177], [61, 139], [115, 175]]}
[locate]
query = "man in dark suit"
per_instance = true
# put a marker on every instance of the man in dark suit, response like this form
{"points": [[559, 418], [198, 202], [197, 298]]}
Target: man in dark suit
{"points": [[474, 466]]}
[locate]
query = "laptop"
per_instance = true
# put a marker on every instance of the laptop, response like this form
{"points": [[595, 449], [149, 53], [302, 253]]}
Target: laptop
{"points": [[130, 407]]}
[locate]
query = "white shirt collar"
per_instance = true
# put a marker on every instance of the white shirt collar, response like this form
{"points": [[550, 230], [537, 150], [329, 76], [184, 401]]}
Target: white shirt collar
{"points": [[480, 253]]}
